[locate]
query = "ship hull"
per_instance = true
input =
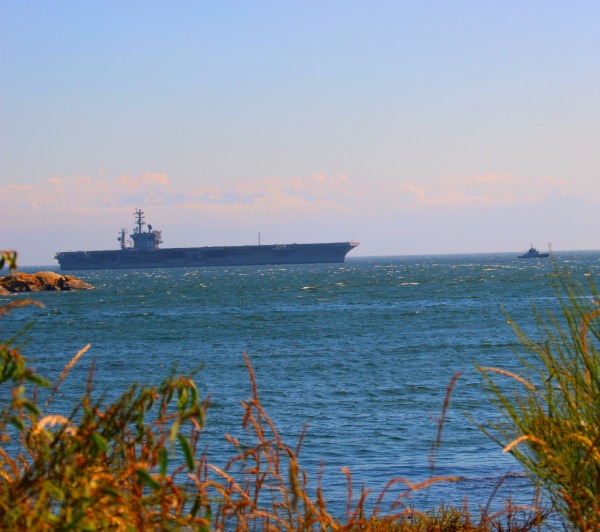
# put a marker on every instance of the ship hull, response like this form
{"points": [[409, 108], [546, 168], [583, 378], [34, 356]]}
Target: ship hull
{"points": [[205, 256], [538, 256]]}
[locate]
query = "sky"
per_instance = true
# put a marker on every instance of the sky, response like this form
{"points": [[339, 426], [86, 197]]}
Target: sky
{"points": [[425, 127]]}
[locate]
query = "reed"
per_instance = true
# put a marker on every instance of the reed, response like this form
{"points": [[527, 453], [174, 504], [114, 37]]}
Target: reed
{"points": [[550, 416]]}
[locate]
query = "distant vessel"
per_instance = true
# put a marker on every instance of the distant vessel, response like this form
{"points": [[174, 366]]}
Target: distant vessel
{"points": [[145, 253], [533, 253]]}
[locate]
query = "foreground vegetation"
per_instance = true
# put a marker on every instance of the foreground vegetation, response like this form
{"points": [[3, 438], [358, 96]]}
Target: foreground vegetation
{"points": [[551, 423], [138, 463]]}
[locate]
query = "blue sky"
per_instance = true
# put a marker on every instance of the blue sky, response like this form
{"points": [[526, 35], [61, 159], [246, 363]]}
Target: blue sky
{"points": [[412, 127]]}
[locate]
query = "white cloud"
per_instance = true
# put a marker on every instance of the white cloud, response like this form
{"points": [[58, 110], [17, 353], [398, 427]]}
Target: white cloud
{"points": [[489, 190], [83, 192], [417, 191], [276, 195]]}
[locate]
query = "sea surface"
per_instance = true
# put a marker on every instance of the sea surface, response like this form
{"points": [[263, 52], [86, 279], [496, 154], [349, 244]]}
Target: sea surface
{"points": [[362, 353]]}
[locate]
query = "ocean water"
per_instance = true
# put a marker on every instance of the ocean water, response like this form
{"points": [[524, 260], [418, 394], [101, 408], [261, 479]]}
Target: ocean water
{"points": [[362, 353]]}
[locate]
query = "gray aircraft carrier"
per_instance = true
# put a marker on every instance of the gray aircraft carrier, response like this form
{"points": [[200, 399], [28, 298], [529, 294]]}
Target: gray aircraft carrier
{"points": [[146, 253]]}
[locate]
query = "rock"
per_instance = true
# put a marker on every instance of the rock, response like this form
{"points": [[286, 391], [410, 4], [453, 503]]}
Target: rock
{"points": [[72, 283], [41, 281]]}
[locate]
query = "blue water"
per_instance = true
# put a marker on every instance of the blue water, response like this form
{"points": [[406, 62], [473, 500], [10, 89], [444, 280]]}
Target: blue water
{"points": [[362, 352]]}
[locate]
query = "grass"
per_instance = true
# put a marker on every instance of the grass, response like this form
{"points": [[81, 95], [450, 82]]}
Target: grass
{"points": [[551, 422]]}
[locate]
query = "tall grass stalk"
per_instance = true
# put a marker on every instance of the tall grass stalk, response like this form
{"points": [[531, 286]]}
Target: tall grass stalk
{"points": [[550, 419]]}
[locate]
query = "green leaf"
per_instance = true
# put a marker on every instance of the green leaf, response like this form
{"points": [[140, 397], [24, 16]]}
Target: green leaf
{"points": [[187, 451], [207, 516], [196, 506], [31, 408], [111, 492], [10, 258], [100, 444], [183, 399], [52, 519], [174, 430], [145, 477], [8, 371], [163, 460], [38, 380], [194, 391], [75, 522], [16, 422], [55, 491]]}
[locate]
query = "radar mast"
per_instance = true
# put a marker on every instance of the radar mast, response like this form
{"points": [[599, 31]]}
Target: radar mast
{"points": [[139, 214], [121, 238]]}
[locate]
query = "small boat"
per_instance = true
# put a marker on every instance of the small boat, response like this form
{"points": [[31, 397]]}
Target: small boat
{"points": [[533, 253]]}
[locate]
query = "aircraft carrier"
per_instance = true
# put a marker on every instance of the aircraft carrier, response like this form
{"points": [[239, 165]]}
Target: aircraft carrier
{"points": [[146, 253]]}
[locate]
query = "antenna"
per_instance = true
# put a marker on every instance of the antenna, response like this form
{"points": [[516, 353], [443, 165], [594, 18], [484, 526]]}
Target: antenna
{"points": [[140, 219], [121, 238]]}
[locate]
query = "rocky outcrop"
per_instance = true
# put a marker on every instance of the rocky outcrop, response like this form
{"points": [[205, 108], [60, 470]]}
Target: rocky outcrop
{"points": [[41, 281]]}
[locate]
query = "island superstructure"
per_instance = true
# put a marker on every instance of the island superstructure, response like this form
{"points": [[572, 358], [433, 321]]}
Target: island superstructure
{"points": [[146, 253], [533, 253]]}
